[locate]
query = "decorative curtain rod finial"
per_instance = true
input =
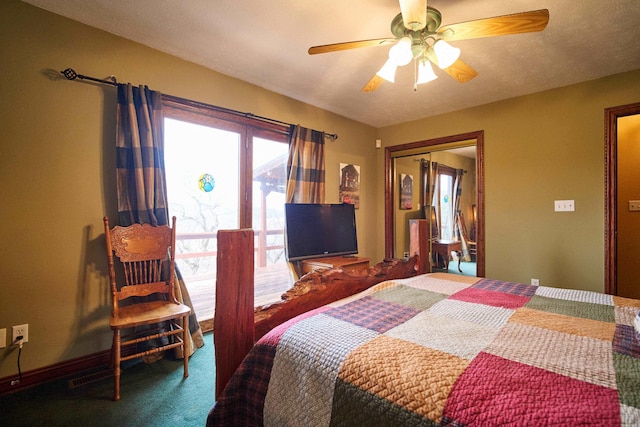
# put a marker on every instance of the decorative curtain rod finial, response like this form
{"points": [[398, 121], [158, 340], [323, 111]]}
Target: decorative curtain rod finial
{"points": [[70, 74]]}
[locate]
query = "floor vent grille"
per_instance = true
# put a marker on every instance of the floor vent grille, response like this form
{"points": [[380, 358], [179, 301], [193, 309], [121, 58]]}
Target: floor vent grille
{"points": [[90, 378]]}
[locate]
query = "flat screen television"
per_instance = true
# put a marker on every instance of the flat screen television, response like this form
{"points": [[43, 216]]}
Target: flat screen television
{"points": [[319, 230]]}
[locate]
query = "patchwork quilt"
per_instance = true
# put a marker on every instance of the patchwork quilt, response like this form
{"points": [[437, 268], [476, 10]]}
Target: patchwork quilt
{"points": [[441, 349]]}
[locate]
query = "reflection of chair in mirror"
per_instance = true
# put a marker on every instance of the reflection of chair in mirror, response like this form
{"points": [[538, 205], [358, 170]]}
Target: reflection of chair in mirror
{"points": [[147, 255], [471, 244]]}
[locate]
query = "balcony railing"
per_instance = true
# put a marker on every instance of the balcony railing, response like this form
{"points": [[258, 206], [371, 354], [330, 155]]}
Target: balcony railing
{"points": [[270, 280], [260, 249]]}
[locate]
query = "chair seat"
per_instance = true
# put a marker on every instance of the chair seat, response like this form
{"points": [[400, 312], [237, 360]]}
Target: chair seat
{"points": [[146, 313]]}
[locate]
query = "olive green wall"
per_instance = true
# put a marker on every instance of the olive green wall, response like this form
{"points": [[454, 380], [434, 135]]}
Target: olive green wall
{"points": [[57, 170], [537, 148]]}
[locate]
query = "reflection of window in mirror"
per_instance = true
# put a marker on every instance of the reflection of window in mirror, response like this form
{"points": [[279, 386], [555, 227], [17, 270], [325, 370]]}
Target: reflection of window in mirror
{"points": [[443, 202]]}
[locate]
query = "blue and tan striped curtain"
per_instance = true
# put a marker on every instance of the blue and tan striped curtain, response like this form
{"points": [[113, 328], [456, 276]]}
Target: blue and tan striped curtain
{"points": [[457, 193], [305, 166], [140, 172], [434, 194], [140, 157]]}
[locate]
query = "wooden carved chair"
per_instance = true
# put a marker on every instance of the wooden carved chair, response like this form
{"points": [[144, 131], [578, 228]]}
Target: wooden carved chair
{"points": [[147, 255]]}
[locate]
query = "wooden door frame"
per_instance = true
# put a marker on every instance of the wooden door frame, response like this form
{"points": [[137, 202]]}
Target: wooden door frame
{"points": [[433, 144], [611, 116]]}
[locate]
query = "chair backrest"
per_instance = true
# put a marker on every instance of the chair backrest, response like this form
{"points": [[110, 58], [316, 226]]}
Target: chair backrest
{"points": [[462, 226], [147, 255]]}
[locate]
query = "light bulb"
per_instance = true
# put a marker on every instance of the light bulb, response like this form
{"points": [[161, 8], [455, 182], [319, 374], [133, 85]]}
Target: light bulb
{"points": [[425, 72], [445, 53], [388, 71], [400, 53]]}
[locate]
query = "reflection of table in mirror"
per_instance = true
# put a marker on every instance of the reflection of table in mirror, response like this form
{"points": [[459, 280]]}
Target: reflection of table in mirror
{"points": [[444, 249]]}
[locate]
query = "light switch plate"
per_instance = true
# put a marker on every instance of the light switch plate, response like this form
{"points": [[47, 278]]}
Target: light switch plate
{"points": [[3, 337], [564, 206], [634, 205]]}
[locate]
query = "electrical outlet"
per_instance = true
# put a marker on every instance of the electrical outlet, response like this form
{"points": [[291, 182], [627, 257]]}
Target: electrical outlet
{"points": [[535, 282], [20, 330], [3, 337], [406, 256]]}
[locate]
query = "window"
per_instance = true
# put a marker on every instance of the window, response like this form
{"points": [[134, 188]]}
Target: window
{"points": [[443, 201], [225, 171]]}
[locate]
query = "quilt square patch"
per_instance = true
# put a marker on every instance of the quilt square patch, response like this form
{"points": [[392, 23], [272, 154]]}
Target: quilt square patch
{"points": [[274, 336], [253, 374], [374, 314], [477, 398], [489, 297], [411, 297], [575, 295], [480, 314], [442, 283], [628, 377], [508, 287], [564, 354], [309, 357], [625, 315], [408, 375], [353, 406], [565, 324], [630, 415], [429, 330], [586, 310], [625, 341]]}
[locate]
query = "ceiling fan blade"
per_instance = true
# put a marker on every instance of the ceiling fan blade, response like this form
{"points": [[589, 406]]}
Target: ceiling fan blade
{"points": [[373, 84], [350, 45], [525, 22], [461, 71]]}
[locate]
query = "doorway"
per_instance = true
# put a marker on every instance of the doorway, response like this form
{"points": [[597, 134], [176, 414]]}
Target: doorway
{"points": [[423, 147], [622, 228]]}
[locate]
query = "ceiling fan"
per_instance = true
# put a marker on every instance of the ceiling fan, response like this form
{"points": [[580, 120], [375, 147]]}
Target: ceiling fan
{"points": [[418, 36]]}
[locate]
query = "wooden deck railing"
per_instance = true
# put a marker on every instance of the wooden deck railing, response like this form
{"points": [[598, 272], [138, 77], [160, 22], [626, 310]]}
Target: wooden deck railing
{"points": [[260, 250], [270, 281]]}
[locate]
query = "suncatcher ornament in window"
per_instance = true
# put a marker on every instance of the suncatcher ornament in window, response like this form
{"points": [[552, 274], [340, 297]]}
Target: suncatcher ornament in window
{"points": [[206, 182]]}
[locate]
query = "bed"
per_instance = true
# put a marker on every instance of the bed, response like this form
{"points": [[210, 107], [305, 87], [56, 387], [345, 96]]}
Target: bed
{"points": [[444, 349]]}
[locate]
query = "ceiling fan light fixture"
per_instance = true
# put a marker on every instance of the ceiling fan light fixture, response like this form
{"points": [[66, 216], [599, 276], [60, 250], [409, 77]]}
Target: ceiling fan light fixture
{"points": [[388, 70], [425, 72], [445, 53], [401, 53], [414, 14]]}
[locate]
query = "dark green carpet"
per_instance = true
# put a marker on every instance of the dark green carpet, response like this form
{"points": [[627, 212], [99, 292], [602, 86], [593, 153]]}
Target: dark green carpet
{"points": [[151, 395], [468, 268]]}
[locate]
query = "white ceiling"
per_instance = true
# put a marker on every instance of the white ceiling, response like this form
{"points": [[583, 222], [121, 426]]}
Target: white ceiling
{"points": [[265, 43]]}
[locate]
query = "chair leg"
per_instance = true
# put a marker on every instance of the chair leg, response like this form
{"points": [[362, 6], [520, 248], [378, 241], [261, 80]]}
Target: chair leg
{"points": [[185, 347], [116, 364]]}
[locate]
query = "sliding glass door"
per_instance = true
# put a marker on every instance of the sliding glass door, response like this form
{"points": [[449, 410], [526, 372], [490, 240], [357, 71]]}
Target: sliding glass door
{"points": [[224, 174]]}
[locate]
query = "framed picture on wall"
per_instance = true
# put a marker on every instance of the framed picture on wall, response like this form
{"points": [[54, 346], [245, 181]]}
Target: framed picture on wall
{"points": [[350, 184], [406, 191]]}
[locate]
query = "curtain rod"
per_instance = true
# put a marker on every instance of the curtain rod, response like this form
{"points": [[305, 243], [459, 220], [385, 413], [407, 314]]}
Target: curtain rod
{"points": [[425, 160], [70, 74]]}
